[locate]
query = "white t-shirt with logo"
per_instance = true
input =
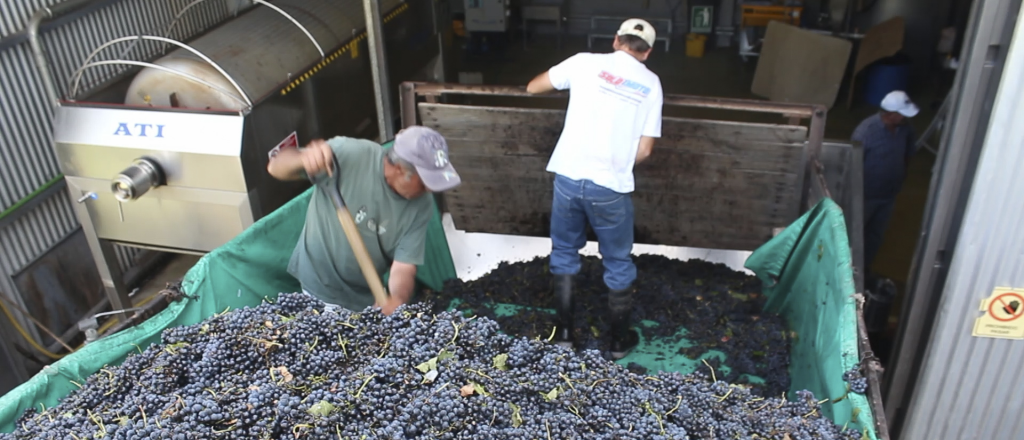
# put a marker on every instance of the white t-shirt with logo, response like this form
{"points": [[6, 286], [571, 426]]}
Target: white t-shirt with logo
{"points": [[613, 101]]}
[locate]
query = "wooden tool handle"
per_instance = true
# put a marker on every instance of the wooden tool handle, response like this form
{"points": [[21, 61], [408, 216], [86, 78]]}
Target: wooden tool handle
{"points": [[355, 240]]}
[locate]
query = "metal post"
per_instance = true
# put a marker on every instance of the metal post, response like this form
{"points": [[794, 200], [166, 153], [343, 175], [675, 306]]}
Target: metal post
{"points": [[103, 254], [378, 63], [38, 54], [439, 33], [407, 103]]}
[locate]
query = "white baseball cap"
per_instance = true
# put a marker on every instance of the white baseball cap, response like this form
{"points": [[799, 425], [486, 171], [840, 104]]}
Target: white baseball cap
{"points": [[898, 101], [638, 27]]}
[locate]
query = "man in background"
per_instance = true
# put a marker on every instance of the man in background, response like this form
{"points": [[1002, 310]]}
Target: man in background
{"points": [[888, 141], [613, 118]]}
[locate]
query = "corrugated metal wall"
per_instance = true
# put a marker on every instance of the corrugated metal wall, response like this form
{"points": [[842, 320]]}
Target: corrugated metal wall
{"points": [[27, 160], [971, 388]]}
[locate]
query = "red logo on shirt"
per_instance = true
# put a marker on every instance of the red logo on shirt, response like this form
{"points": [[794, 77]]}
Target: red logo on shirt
{"points": [[622, 83]]}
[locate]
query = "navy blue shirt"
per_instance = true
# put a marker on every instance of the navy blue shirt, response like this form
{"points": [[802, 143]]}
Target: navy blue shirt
{"points": [[886, 154]]}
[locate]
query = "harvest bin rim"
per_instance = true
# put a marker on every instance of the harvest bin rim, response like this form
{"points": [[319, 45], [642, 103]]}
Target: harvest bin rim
{"points": [[821, 179], [815, 191]]}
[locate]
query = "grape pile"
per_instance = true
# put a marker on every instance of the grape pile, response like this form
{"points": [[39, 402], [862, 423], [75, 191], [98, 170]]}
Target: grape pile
{"points": [[858, 384], [720, 308], [292, 370]]}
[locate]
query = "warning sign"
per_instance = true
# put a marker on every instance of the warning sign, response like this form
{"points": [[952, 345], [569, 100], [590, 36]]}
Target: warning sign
{"points": [[1004, 315], [292, 141]]}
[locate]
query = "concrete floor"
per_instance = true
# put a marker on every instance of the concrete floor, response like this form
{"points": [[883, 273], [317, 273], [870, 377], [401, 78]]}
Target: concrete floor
{"points": [[722, 73]]}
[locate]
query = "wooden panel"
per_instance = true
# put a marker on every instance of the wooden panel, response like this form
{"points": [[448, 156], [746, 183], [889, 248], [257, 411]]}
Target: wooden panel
{"points": [[712, 184], [797, 65], [495, 130]]}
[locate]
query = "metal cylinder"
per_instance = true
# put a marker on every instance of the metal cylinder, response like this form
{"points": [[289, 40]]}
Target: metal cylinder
{"points": [[143, 175]]}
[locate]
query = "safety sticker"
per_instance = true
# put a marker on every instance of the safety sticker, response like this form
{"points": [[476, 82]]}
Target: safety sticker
{"points": [[1004, 315], [292, 141]]}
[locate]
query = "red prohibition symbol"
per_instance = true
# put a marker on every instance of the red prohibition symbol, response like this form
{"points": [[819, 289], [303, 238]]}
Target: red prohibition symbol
{"points": [[1010, 303]]}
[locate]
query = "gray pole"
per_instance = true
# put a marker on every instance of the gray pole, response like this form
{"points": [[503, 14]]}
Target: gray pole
{"points": [[378, 62]]}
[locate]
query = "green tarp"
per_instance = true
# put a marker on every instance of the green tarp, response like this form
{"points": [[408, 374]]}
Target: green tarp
{"points": [[806, 270], [243, 272]]}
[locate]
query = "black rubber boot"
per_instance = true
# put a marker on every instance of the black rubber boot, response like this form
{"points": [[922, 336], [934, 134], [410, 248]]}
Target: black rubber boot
{"points": [[624, 339], [562, 286]]}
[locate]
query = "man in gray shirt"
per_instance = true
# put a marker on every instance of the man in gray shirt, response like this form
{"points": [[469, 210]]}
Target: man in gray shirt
{"points": [[387, 193]]}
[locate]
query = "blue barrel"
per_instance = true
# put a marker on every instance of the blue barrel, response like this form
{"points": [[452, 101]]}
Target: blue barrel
{"points": [[883, 78]]}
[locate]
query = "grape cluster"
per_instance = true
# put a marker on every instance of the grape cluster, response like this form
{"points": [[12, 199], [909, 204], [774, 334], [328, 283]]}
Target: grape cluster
{"points": [[858, 384], [292, 370], [720, 308]]}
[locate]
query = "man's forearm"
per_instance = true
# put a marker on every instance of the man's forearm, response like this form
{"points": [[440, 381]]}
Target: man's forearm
{"points": [[286, 165], [540, 84], [643, 151], [400, 287], [401, 283]]}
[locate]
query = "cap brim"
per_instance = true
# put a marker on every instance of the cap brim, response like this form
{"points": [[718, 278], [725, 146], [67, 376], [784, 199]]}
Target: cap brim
{"points": [[910, 111], [439, 180]]}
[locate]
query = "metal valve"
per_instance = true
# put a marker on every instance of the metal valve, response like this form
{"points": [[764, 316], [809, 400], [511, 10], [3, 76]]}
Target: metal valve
{"points": [[87, 196], [143, 175]]}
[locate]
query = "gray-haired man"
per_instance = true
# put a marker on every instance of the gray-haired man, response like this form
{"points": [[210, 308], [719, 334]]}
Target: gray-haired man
{"points": [[386, 192]]}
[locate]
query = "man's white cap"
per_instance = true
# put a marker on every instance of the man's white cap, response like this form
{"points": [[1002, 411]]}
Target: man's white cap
{"points": [[638, 27], [898, 101]]}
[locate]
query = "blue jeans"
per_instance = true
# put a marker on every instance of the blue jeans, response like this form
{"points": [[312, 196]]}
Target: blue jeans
{"points": [[876, 219], [576, 203]]}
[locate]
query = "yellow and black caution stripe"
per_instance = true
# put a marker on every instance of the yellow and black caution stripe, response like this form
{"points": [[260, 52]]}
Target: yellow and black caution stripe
{"points": [[352, 47]]}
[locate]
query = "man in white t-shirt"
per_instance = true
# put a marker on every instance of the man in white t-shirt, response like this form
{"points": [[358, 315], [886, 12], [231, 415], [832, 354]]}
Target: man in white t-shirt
{"points": [[613, 118]]}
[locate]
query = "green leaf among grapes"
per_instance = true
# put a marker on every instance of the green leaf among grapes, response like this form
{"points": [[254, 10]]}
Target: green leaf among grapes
{"points": [[322, 408], [480, 389], [428, 365], [550, 395], [500, 360], [517, 419]]}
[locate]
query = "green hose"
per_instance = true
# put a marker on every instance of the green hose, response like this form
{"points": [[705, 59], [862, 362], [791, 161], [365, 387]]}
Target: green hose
{"points": [[31, 196]]}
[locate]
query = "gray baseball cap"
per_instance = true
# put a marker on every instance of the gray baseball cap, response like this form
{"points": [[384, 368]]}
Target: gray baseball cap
{"points": [[427, 150]]}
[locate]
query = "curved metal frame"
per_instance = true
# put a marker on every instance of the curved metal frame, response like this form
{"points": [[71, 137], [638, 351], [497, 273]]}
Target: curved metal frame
{"points": [[77, 76], [261, 2], [296, 23], [177, 17], [192, 78]]}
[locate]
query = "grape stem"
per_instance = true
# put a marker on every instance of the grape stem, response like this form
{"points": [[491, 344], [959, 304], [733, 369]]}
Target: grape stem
{"points": [[657, 417], [358, 393], [478, 372], [563, 376], [722, 399], [456, 335], [679, 402], [713, 378]]}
